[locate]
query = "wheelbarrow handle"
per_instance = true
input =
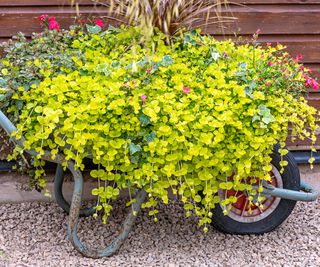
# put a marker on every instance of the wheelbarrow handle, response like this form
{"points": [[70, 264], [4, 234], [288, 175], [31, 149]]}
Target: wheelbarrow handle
{"points": [[76, 202], [307, 193], [58, 184], [74, 217]]}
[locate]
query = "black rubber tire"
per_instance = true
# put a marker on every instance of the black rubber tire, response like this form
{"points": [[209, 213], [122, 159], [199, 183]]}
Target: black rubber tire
{"points": [[291, 180]]}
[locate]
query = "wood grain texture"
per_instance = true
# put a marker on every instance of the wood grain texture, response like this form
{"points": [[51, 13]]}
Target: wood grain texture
{"points": [[307, 45], [270, 19], [272, 2], [16, 3]]}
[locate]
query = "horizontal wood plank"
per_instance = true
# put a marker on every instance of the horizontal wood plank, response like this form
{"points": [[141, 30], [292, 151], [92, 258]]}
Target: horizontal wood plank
{"points": [[274, 20], [14, 20], [307, 45], [272, 2], [270, 19], [16, 3]]}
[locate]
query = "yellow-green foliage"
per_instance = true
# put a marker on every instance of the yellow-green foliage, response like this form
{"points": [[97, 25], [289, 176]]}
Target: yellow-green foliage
{"points": [[186, 117]]}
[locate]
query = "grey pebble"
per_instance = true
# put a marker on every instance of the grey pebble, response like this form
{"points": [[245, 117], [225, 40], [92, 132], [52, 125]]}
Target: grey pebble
{"points": [[35, 235]]}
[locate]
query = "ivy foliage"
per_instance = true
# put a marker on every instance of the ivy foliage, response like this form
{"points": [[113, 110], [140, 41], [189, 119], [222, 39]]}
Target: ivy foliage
{"points": [[195, 117], [26, 63]]}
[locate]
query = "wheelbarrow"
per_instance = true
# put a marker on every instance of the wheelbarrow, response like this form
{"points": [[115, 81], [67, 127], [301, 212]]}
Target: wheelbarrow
{"points": [[281, 194]]}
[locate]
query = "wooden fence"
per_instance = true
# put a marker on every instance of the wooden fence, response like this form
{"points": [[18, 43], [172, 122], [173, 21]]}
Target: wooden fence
{"points": [[295, 23]]}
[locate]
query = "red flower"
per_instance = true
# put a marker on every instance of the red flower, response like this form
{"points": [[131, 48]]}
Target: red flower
{"points": [[43, 18], [143, 98], [148, 70], [311, 83], [186, 90], [99, 22], [267, 83], [82, 21], [298, 58], [53, 24]]}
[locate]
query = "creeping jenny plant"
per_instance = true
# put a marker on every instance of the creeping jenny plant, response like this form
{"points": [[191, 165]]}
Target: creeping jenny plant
{"points": [[194, 117]]}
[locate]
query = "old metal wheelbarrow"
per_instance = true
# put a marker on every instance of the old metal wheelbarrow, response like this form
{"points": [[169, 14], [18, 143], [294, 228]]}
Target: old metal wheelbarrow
{"points": [[281, 193]]}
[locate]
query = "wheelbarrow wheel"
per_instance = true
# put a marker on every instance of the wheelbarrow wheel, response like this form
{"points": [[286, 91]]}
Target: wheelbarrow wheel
{"points": [[274, 211]]}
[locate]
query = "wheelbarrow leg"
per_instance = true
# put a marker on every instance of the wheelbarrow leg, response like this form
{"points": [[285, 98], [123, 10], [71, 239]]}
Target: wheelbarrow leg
{"points": [[74, 217], [58, 182]]}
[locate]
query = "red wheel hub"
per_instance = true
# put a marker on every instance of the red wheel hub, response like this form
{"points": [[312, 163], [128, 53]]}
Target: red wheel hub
{"points": [[242, 207]]}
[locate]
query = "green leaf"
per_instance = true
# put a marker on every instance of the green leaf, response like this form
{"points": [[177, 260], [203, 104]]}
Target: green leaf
{"points": [[166, 61], [189, 40], [243, 65], [3, 82], [113, 29], [93, 29], [144, 119], [266, 114], [2, 97], [215, 55], [115, 64], [135, 158], [226, 185], [255, 118], [150, 137], [143, 62], [249, 89], [19, 104], [133, 148], [95, 192]]}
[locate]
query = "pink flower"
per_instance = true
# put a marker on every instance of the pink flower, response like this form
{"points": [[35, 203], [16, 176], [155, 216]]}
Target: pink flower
{"points": [[53, 24], [268, 83], [42, 18], [283, 70], [99, 22], [257, 31], [186, 90], [269, 44], [270, 64], [126, 85], [148, 70], [311, 83], [143, 98], [298, 58]]}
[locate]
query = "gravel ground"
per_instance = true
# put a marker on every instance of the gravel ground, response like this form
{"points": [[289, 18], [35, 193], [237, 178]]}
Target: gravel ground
{"points": [[35, 234]]}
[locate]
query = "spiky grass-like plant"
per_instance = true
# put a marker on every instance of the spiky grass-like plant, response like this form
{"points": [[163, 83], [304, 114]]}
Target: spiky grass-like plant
{"points": [[170, 16]]}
